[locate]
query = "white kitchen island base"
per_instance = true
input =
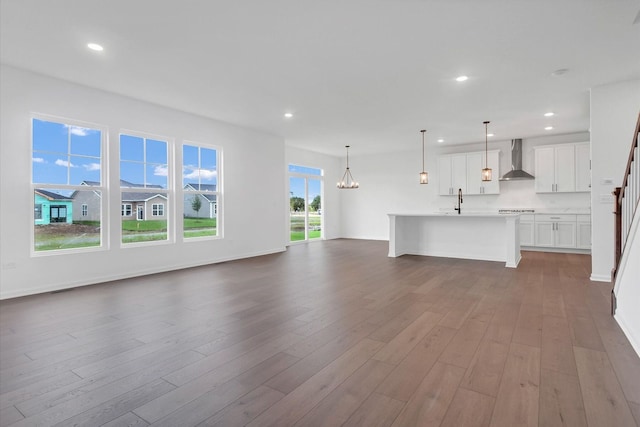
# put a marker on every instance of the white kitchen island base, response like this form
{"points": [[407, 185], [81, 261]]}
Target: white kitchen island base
{"points": [[488, 237]]}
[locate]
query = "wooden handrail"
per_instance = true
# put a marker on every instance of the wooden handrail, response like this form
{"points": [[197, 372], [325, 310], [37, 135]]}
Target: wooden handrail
{"points": [[627, 172], [624, 214]]}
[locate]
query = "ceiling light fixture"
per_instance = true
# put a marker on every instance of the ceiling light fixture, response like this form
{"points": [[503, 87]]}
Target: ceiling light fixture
{"points": [[462, 78], [424, 176], [288, 115], [95, 46], [490, 135], [347, 182], [486, 172], [441, 141], [548, 128], [549, 114]]}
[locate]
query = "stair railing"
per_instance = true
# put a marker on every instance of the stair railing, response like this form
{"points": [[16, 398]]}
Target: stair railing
{"points": [[626, 205]]}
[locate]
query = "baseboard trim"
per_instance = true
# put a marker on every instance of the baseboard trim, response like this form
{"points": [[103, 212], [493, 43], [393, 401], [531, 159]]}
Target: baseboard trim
{"points": [[632, 339], [112, 278], [600, 278]]}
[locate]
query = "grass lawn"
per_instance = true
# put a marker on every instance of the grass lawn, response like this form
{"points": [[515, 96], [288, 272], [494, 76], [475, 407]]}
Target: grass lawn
{"points": [[191, 223], [132, 226], [297, 226]]}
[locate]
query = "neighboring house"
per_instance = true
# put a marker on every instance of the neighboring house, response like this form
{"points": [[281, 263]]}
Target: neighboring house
{"points": [[208, 202], [52, 208], [139, 205], [143, 206], [86, 203]]}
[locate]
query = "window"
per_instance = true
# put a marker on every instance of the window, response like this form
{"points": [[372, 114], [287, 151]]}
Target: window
{"points": [[144, 183], [126, 209], [66, 160], [85, 209], [201, 195], [158, 209], [305, 207]]}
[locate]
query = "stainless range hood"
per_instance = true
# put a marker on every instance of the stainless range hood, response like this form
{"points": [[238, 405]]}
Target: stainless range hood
{"points": [[516, 172]]}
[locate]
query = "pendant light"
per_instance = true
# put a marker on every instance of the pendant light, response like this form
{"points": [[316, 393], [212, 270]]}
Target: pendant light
{"points": [[424, 176], [486, 172], [347, 182]]}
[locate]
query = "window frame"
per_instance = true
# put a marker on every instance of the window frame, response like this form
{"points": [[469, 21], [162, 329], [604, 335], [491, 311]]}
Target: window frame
{"points": [[102, 189], [84, 209], [168, 192], [157, 209], [306, 176], [218, 206]]}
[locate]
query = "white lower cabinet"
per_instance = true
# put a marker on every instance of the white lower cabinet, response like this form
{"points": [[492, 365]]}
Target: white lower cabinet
{"points": [[527, 235], [583, 232], [555, 231], [569, 231]]}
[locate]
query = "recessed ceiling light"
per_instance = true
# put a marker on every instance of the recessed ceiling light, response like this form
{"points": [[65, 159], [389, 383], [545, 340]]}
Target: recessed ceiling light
{"points": [[549, 114], [560, 72], [461, 78], [441, 141], [95, 46], [288, 115], [489, 134], [548, 128]]}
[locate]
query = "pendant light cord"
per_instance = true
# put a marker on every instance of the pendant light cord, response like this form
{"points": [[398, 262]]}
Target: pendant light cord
{"points": [[423, 131]]}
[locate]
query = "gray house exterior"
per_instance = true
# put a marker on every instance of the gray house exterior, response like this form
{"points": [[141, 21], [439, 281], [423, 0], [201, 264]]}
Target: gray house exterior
{"points": [[208, 202]]}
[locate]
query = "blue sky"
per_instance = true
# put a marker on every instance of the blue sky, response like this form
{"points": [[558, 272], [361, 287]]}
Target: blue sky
{"points": [[296, 184], [65, 154]]}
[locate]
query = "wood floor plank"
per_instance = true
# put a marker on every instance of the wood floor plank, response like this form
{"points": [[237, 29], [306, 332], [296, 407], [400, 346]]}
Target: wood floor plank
{"points": [[561, 402], [127, 420], [469, 409], [341, 403], [214, 336], [528, 329], [287, 380], [377, 411], [296, 404], [556, 346], [485, 371], [429, 403], [604, 400], [464, 344], [407, 376], [583, 331], [245, 409], [407, 339], [517, 400]]}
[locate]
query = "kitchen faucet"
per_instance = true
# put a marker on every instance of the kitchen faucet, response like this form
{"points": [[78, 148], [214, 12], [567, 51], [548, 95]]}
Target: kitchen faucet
{"points": [[459, 208]]}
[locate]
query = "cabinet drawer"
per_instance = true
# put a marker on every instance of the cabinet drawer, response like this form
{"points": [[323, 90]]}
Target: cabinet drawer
{"points": [[555, 218], [526, 218]]}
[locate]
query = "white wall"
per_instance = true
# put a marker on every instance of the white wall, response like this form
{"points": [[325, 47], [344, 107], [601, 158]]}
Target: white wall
{"points": [[253, 186], [614, 112], [331, 202], [389, 183]]}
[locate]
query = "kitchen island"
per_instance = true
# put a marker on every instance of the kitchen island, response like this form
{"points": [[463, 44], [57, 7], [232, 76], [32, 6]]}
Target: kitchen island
{"points": [[481, 236]]}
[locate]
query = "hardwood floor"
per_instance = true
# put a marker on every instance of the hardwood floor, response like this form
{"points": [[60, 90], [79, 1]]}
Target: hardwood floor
{"points": [[327, 334]]}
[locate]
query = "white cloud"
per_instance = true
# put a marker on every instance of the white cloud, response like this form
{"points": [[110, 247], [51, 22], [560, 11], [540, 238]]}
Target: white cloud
{"points": [[160, 171], [205, 174], [38, 160], [92, 166], [65, 163], [75, 130]]}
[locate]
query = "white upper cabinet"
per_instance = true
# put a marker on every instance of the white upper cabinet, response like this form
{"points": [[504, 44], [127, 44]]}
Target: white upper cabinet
{"points": [[452, 174], [464, 170], [562, 168]]}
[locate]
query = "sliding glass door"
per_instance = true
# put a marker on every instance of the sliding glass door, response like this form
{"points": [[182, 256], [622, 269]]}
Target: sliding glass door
{"points": [[305, 203]]}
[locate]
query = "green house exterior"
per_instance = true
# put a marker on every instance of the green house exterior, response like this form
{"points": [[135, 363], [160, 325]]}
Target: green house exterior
{"points": [[51, 208]]}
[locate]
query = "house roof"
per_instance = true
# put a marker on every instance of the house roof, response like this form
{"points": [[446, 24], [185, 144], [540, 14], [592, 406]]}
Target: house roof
{"points": [[52, 196], [200, 187], [140, 196]]}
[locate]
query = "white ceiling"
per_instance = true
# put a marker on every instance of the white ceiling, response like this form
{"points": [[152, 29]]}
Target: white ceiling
{"points": [[369, 73]]}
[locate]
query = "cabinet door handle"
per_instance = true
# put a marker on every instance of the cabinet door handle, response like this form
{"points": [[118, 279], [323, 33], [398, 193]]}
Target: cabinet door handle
{"points": [[555, 217]]}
